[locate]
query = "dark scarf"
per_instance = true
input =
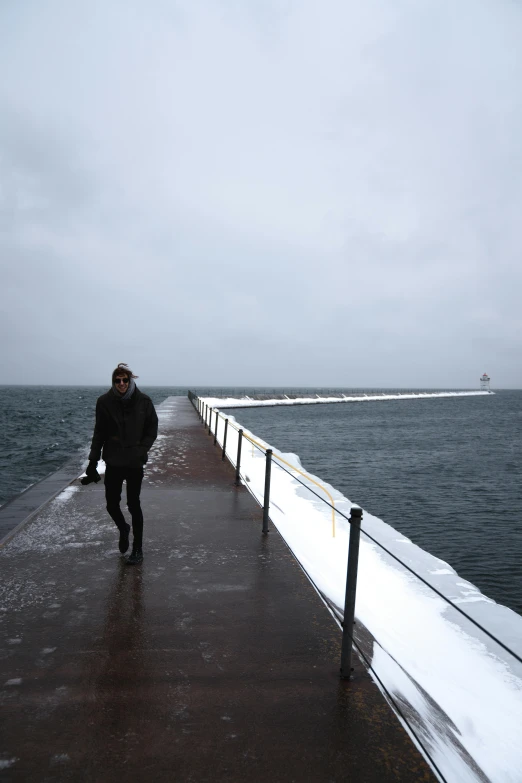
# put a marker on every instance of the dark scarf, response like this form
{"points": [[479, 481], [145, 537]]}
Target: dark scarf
{"points": [[128, 394]]}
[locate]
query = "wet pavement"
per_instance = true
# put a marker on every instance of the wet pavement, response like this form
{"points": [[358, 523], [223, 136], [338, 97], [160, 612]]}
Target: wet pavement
{"points": [[214, 660]]}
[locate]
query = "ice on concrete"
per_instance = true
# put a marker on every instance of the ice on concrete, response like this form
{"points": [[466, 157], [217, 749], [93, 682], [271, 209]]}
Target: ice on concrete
{"points": [[66, 493]]}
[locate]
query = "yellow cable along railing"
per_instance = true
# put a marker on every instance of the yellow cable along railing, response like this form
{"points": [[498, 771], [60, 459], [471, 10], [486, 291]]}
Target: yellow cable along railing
{"points": [[292, 467]]}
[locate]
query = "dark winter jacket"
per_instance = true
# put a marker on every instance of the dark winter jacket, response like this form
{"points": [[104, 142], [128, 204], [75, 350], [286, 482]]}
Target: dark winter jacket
{"points": [[124, 430]]}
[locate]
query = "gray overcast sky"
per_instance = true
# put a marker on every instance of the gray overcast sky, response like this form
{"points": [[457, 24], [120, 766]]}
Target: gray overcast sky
{"points": [[278, 192]]}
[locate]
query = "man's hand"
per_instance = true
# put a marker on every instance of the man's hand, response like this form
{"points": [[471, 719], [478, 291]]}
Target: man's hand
{"points": [[91, 473]]}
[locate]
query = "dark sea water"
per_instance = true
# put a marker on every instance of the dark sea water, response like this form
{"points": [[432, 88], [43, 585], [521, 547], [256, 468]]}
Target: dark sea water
{"points": [[447, 473]]}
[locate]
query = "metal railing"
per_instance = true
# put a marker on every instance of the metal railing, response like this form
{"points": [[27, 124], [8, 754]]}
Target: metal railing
{"points": [[364, 532], [354, 520], [206, 413], [280, 459]]}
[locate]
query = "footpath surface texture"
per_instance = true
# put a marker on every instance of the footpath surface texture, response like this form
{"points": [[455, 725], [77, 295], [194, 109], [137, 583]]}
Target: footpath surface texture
{"points": [[214, 660]]}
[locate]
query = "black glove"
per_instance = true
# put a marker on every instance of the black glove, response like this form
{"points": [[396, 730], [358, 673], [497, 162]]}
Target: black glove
{"points": [[91, 473]]}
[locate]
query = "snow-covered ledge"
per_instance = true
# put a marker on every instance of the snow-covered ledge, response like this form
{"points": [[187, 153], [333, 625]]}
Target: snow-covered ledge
{"points": [[251, 402], [463, 691]]}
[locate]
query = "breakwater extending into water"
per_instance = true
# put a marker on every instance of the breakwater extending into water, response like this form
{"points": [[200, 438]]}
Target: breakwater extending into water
{"points": [[272, 400], [412, 664], [439, 647]]}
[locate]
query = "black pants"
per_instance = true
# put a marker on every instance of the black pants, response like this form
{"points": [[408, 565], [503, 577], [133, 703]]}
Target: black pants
{"points": [[114, 478]]}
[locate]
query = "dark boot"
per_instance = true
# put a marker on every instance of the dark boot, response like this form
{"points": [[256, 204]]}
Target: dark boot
{"points": [[136, 556], [124, 538]]}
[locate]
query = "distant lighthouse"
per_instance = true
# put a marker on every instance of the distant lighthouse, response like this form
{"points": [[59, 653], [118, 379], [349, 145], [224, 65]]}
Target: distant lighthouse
{"points": [[484, 382]]}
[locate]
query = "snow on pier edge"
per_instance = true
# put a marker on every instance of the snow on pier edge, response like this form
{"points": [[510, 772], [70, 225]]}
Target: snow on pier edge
{"points": [[246, 401], [463, 691]]}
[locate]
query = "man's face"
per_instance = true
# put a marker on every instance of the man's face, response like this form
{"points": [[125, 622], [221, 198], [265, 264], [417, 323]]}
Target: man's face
{"points": [[122, 383]]}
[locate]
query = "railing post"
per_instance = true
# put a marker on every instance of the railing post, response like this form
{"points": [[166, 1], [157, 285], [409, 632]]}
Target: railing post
{"points": [[266, 502], [225, 440], [351, 588], [215, 430], [206, 409], [210, 420], [238, 460]]}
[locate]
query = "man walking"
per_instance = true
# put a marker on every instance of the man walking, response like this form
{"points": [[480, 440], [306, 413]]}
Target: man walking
{"points": [[126, 427]]}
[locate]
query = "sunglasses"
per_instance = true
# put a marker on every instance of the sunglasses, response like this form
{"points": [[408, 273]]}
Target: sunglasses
{"points": [[120, 380]]}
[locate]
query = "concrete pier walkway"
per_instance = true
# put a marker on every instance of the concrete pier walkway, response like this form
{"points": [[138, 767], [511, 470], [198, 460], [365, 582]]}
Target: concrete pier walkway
{"points": [[215, 660]]}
